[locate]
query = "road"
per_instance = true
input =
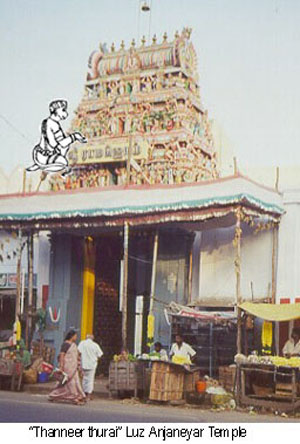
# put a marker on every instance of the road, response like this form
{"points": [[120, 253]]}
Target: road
{"points": [[32, 408]]}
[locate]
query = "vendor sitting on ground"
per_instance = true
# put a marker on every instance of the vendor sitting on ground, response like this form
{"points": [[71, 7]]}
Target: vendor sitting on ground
{"points": [[292, 346], [182, 349], [162, 353], [24, 354]]}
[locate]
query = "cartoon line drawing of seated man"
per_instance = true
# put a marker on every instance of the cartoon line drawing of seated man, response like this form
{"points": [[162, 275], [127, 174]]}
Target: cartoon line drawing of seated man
{"points": [[50, 154]]}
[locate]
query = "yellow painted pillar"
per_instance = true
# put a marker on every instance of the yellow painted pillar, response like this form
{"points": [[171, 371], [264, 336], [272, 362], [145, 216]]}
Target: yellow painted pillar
{"points": [[88, 292]]}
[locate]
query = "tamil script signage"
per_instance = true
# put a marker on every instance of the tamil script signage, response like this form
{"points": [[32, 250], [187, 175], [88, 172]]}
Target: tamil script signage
{"points": [[9, 280], [109, 151]]}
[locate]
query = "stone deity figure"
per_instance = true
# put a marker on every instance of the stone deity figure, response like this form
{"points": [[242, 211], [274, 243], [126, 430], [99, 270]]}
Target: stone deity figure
{"points": [[136, 86], [154, 82], [149, 84], [114, 89], [128, 123], [170, 81], [122, 87], [159, 81], [102, 91], [179, 80], [178, 176], [152, 174]]}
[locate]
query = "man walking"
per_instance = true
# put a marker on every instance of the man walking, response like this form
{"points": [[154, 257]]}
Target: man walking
{"points": [[90, 353]]}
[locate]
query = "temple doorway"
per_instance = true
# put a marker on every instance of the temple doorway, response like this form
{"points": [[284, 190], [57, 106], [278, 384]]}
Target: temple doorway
{"points": [[107, 316]]}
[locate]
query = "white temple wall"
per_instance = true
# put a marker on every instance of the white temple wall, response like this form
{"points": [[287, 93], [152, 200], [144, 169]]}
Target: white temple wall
{"points": [[288, 277], [217, 279]]}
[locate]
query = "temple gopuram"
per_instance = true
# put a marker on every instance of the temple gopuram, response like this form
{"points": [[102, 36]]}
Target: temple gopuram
{"points": [[142, 115]]}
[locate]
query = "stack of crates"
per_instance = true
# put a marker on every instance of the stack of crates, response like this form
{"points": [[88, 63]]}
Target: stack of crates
{"points": [[227, 377], [167, 382], [129, 376]]}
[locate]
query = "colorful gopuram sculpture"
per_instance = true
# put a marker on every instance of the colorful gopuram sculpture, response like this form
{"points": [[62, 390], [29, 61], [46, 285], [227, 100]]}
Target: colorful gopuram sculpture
{"points": [[142, 104]]}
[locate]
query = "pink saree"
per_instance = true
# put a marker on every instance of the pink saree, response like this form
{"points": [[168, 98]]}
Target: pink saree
{"points": [[72, 390]]}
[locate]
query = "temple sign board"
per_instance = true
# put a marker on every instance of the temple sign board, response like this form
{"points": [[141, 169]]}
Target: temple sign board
{"points": [[109, 151]]}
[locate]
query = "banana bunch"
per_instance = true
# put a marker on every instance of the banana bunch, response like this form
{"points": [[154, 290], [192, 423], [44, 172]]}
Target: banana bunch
{"points": [[124, 357], [285, 362], [182, 360]]}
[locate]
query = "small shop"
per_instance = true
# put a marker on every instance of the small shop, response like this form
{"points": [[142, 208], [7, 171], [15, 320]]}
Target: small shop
{"points": [[176, 379], [255, 378], [269, 380]]}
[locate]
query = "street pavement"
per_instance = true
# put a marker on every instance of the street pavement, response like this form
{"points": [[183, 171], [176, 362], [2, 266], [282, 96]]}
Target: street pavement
{"points": [[32, 408]]}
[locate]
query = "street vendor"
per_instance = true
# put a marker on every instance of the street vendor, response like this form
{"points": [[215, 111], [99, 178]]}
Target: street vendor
{"points": [[182, 349], [162, 352], [292, 345], [24, 354]]}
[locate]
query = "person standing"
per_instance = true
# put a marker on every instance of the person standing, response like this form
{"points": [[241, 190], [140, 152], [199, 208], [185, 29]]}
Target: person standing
{"points": [[90, 353], [292, 346], [69, 363], [180, 348]]}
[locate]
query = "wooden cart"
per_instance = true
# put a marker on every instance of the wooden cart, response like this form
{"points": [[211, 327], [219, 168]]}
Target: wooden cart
{"points": [[167, 381], [11, 372], [129, 377], [262, 386], [172, 382]]}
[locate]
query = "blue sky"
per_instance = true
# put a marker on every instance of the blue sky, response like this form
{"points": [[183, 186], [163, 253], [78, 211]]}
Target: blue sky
{"points": [[248, 55]]}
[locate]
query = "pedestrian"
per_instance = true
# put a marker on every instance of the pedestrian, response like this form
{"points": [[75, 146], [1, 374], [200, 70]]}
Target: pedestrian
{"points": [[182, 349], [69, 363], [90, 353]]}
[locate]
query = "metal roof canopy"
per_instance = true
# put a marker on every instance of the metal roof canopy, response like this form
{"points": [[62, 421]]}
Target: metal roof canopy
{"points": [[198, 204]]}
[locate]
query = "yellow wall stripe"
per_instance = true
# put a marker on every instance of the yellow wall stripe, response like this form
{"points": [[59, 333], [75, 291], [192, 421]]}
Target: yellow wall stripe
{"points": [[88, 293]]}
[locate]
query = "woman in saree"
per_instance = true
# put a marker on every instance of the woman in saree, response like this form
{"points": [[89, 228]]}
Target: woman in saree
{"points": [[69, 363]]}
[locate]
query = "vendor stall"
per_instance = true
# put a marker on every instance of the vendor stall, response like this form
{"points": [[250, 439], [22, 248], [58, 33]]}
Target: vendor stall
{"points": [[269, 386], [269, 381], [212, 334], [150, 377], [11, 369]]}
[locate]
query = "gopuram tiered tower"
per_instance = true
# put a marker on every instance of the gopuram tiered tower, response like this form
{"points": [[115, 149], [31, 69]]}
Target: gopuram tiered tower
{"points": [[142, 104]]}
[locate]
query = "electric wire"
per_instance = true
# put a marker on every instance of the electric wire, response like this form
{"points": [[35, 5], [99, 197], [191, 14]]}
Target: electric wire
{"points": [[15, 129]]}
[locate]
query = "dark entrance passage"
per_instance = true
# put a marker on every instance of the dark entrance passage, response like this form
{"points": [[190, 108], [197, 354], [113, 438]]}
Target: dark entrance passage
{"points": [[107, 317], [7, 311]]}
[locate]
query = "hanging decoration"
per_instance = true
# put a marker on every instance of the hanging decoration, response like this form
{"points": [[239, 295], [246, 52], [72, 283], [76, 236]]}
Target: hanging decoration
{"points": [[54, 315], [150, 329], [267, 337]]}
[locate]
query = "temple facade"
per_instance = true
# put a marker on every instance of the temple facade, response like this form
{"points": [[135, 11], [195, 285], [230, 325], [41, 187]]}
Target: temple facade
{"points": [[159, 228], [143, 117]]}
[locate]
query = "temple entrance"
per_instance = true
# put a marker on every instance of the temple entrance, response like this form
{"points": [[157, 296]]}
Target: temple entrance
{"points": [[107, 317], [107, 309]]}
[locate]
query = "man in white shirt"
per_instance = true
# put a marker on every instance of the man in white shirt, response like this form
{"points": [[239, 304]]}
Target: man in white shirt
{"points": [[90, 353], [180, 348], [292, 346]]}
